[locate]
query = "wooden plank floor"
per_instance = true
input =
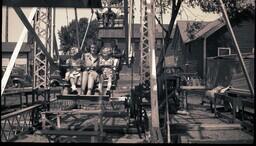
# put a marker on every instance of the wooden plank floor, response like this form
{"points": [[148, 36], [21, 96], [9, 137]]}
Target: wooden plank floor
{"points": [[201, 126]]}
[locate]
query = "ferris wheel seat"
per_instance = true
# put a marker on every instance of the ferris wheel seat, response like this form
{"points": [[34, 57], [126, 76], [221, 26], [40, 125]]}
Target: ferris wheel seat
{"points": [[83, 97]]}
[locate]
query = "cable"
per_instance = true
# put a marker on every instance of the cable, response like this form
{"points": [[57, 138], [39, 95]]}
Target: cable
{"points": [[87, 29], [67, 15]]}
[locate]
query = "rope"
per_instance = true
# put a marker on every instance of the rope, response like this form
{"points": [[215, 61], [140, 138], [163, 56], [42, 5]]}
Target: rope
{"points": [[67, 15], [86, 30]]}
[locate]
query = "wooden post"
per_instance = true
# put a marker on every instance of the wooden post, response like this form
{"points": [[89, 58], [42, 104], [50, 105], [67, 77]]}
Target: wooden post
{"points": [[21, 100], [126, 29], [6, 24], [152, 64], [43, 120], [130, 51], [237, 49], [58, 120], [204, 59]]}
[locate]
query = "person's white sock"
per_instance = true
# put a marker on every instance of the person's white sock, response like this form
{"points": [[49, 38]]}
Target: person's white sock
{"points": [[73, 87]]}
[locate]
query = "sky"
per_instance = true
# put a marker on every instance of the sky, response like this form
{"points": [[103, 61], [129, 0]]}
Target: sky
{"points": [[66, 15]]}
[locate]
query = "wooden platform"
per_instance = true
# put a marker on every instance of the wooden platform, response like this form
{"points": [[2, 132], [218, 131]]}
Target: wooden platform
{"points": [[200, 125]]}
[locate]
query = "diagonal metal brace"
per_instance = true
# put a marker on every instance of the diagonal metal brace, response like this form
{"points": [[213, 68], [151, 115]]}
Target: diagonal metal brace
{"points": [[32, 31]]}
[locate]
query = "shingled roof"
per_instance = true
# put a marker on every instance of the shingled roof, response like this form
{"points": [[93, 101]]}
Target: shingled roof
{"points": [[204, 29]]}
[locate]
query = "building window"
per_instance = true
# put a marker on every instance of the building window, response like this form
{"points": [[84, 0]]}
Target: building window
{"points": [[224, 51]]}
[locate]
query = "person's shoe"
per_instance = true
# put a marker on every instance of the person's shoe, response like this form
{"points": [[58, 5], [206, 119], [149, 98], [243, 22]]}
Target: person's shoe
{"points": [[73, 87], [74, 90], [89, 92], [108, 92]]}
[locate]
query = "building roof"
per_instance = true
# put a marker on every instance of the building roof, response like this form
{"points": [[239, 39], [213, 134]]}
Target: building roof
{"points": [[8, 47], [120, 33], [192, 30]]}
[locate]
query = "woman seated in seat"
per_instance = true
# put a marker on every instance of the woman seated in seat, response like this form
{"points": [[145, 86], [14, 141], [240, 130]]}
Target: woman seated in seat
{"points": [[107, 64], [90, 63], [73, 72]]}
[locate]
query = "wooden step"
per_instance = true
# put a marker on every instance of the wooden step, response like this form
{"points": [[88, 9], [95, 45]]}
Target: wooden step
{"points": [[221, 141], [194, 127]]}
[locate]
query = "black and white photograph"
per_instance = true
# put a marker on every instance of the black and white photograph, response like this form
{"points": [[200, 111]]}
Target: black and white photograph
{"points": [[128, 71]]}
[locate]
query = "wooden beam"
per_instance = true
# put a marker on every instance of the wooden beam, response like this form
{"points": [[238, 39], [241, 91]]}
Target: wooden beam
{"points": [[126, 30], [19, 111], [15, 53], [122, 129], [75, 111], [6, 24], [153, 78], [64, 132], [204, 59], [54, 3], [130, 49], [38, 40]]}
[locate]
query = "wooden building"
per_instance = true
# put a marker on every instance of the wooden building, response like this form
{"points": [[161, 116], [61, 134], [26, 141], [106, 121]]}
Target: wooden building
{"points": [[194, 41]]}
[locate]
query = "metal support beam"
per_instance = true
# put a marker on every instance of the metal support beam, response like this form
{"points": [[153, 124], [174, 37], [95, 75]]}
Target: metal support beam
{"points": [[144, 44], [32, 31], [43, 28], [16, 52], [237, 48]]}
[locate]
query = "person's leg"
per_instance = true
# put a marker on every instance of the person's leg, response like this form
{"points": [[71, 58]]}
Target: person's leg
{"points": [[84, 81], [72, 80], [91, 80], [109, 84], [73, 84], [67, 75]]}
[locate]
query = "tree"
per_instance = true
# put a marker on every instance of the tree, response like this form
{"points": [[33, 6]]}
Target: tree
{"points": [[67, 34]]}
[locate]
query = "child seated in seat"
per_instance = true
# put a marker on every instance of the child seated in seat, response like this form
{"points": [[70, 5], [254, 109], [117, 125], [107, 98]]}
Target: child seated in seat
{"points": [[73, 72], [107, 66], [90, 62]]}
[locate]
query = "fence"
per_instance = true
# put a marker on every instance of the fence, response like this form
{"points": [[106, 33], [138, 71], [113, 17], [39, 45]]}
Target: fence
{"points": [[227, 71]]}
